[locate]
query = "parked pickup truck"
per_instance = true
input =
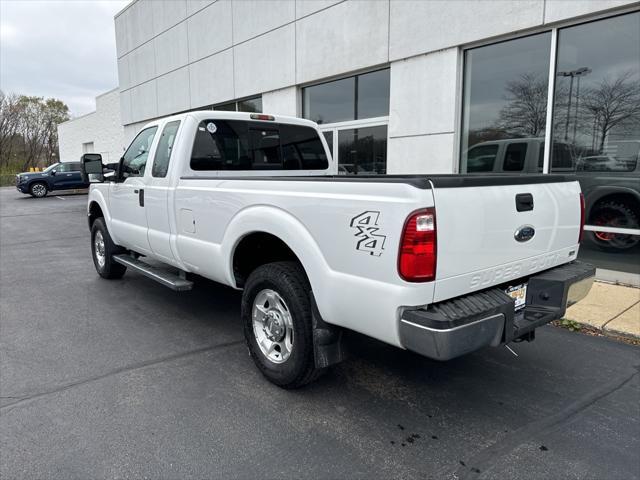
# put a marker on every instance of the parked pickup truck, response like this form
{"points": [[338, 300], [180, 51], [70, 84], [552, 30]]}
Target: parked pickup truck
{"points": [[438, 264]]}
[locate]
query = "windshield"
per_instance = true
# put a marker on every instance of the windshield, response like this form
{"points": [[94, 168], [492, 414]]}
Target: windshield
{"points": [[50, 167]]}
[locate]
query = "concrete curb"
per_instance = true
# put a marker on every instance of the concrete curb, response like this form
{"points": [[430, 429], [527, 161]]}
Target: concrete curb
{"points": [[610, 309]]}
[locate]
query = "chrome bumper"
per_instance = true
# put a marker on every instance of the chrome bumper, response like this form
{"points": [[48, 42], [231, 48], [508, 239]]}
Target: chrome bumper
{"points": [[449, 329]]}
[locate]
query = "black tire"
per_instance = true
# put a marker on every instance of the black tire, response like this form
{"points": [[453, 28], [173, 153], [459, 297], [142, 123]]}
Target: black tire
{"points": [[614, 214], [110, 269], [289, 281], [38, 189]]}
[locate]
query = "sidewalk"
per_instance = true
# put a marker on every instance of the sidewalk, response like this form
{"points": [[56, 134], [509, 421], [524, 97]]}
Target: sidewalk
{"points": [[610, 309]]}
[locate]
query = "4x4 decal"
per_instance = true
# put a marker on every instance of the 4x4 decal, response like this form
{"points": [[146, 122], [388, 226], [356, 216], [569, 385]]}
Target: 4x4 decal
{"points": [[366, 225]]}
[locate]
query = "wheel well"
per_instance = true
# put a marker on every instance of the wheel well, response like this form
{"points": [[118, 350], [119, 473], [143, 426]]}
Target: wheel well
{"points": [[625, 198], [94, 212], [257, 249]]}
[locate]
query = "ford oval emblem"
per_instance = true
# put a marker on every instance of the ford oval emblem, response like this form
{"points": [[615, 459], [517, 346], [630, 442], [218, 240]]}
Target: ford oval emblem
{"points": [[524, 233]]}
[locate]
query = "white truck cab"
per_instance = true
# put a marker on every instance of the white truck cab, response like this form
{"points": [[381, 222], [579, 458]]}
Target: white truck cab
{"points": [[438, 264]]}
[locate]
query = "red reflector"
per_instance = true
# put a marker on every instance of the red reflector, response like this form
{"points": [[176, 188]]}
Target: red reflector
{"points": [[581, 217], [260, 116], [417, 255]]}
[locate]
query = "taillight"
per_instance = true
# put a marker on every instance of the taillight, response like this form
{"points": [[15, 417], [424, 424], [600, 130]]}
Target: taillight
{"points": [[417, 255], [581, 217]]}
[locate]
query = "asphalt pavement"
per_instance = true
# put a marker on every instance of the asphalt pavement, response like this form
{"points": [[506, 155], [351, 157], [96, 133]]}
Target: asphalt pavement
{"points": [[127, 379]]}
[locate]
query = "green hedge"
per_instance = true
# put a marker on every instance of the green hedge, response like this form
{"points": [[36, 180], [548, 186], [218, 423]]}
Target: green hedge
{"points": [[7, 179]]}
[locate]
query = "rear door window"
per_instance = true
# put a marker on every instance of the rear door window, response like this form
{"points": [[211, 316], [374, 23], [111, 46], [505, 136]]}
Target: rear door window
{"points": [[242, 145], [481, 158], [163, 151], [514, 157]]}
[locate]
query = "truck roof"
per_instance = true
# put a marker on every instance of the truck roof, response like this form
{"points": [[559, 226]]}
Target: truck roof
{"points": [[200, 115]]}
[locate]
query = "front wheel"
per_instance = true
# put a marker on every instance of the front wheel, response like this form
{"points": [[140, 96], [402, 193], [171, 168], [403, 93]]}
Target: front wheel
{"points": [[103, 249], [38, 190], [276, 312]]}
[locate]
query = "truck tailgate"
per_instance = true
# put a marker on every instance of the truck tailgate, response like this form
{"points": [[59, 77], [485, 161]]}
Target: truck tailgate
{"points": [[491, 230]]}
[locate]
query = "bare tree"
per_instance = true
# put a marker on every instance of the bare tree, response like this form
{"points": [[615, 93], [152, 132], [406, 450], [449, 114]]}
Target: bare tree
{"points": [[28, 130], [526, 110], [613, 103], [9, 125]]}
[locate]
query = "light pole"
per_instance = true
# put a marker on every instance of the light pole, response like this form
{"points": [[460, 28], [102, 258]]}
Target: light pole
{"points": [[572, 73]]}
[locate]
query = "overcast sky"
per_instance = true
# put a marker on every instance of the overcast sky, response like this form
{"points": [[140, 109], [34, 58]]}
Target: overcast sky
{"points": [[64, 49]]}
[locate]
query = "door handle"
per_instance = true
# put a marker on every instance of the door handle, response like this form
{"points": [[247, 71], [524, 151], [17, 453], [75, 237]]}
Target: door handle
{"points": [[140, 197], [524, 202]]}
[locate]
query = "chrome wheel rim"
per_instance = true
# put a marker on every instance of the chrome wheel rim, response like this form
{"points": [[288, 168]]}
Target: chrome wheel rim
{"points": [[39, 190], [272, 325], [98, 248]]}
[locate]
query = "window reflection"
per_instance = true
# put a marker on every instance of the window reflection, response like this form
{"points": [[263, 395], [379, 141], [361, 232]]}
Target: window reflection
{"points": [[597, 117], [353, 98], [362, 151], [505, 105]]}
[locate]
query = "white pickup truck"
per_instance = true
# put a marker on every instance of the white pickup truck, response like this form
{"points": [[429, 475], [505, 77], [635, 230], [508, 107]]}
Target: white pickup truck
{"points": [[438, 264]]}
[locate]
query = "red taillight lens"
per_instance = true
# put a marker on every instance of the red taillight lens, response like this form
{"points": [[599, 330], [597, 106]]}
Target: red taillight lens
{"points": [[581, 217], [417, 256]]}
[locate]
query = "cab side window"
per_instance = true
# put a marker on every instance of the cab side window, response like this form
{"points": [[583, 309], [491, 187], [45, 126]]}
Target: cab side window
{"points": [[163, 152], [63, 168], [135, 158]]}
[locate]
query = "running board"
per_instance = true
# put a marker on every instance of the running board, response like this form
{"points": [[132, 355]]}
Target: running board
{"points": [[168, 279]]}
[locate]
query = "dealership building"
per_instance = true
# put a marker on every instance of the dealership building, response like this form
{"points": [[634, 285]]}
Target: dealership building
{"points": [[397, 86]]}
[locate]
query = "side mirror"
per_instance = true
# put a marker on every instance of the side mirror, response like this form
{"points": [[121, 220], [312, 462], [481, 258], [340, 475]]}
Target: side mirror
{"points": [[91, 168], [53, 172]]}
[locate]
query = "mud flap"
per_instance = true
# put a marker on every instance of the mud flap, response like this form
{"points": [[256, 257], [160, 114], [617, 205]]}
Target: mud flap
{"points": [[328, 347]]}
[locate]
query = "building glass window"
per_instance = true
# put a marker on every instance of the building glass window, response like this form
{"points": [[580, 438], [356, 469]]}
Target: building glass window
{"points": [[253, 105], [353, 98], [596, 124], [505, 101], [353, 112], [363, 150]]}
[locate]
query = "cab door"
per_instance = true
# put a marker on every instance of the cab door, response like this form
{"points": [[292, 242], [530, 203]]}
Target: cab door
{"points": [[158, 194], [127, 194], [63, 176]]}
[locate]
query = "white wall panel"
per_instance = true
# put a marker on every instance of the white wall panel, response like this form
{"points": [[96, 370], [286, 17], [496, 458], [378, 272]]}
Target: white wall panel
{"points": [[423, 94], [123, 36], [211, 80], [307, 7], [140, 22], [424, 26], [556, 10], [173, 92], [265, 63], [343, 38], [124, 74], [194, 5], [281, 102], [171, 49], [421, 154], [167, 13], [210, 30], [144, 101], [254, 17], [125, 107], [142, 64]]}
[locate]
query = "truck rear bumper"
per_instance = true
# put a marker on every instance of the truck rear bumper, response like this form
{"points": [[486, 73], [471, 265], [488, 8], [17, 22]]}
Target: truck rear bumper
{"points": [[452, 328]]}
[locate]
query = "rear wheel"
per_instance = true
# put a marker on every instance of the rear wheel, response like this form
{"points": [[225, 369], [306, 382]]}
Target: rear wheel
{"points": [[617, 215], [103, 249], [276, 312], [38, 190]]}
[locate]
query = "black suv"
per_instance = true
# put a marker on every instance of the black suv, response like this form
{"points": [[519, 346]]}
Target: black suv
{"points": [[59, 176]]}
